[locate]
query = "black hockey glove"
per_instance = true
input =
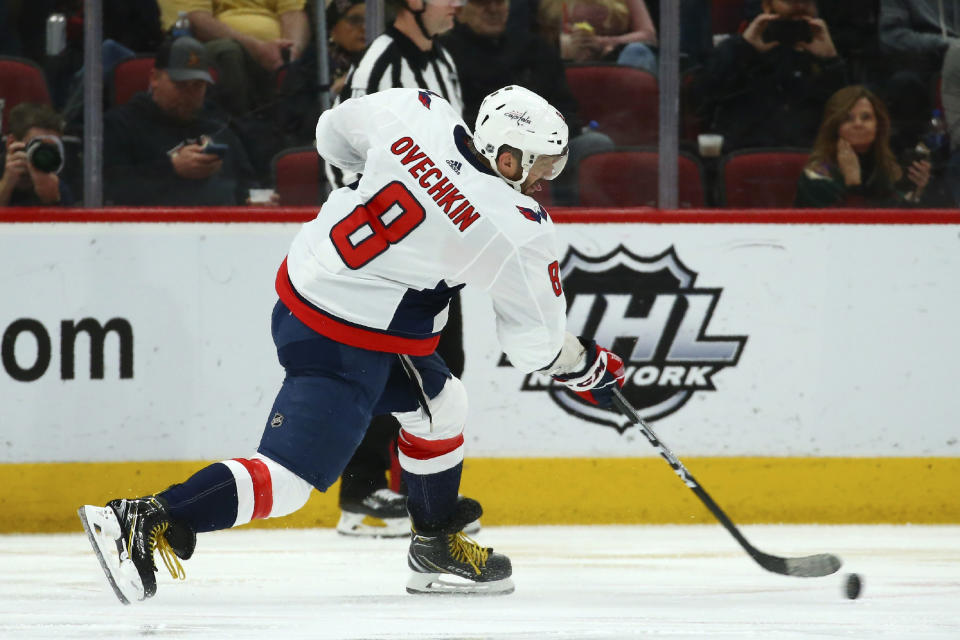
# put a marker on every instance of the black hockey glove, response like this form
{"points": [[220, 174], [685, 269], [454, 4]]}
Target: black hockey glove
{"points": [[594, 383]]}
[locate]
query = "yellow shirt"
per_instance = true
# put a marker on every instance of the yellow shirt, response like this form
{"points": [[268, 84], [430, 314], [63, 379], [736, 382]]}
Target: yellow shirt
{"points": [[257, 18]]}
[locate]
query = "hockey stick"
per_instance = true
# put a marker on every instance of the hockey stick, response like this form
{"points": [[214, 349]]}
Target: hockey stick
{"points": [[821, 564]]}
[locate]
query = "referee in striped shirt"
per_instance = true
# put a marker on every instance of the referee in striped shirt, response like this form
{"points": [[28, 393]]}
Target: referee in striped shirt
{"points": [[407, 54]]}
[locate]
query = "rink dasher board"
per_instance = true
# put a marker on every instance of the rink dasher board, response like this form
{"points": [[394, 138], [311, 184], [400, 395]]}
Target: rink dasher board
{"points": [[849, 343], [848, 351]]}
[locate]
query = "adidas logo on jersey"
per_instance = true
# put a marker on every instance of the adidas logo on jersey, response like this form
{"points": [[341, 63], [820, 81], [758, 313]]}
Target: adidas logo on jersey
{"points": [[456, 166]]}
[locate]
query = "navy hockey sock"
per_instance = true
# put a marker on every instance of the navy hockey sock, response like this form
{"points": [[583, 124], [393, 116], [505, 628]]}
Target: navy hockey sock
{"points": [[207, 500], [432, 498]]}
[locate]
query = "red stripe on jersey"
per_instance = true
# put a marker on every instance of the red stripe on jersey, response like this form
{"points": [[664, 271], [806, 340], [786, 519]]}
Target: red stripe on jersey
{"points": [[262, 487], [344, 333], [423, 449]]}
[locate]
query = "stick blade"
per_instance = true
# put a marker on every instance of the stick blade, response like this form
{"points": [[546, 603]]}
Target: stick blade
{"points": [[815, 566]]}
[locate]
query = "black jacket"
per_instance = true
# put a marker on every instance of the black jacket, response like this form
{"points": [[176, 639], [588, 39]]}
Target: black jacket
{"points": [[772, 99], [137, 167], [487, 64], [28, 198]]}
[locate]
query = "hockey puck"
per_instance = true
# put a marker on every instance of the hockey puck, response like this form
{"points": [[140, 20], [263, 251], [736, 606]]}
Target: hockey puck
{"points": [[853, 586]]}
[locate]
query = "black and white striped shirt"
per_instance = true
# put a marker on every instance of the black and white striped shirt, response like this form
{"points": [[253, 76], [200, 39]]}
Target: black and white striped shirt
{"points": [[393, 61]]}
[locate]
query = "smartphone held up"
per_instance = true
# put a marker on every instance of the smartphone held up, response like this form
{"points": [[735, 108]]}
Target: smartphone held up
{"points": [[788, 32]]}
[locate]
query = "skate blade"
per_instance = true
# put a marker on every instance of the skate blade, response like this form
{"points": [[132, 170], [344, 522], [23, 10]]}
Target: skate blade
{"points": [[357, 524], [104, 534], [448, 584]]}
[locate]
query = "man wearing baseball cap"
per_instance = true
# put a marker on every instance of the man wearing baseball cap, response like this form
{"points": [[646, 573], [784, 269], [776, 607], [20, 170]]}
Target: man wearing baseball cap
{"points": [[181, 73], [183, 59], [162, 148]]}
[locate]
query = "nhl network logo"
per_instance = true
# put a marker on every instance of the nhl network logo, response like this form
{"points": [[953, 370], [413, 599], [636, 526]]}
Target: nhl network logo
{"points": [[651, 314]]}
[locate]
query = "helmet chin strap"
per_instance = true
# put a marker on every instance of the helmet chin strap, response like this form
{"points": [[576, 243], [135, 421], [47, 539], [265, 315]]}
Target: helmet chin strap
{"points": [[516, 184], [418, 18]]}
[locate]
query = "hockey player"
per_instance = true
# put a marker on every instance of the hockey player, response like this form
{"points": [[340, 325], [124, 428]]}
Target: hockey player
{"points": [[363, 295]]}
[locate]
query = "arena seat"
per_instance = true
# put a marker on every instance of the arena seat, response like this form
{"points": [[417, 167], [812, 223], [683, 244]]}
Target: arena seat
{"points": [[21, 80], [624, 101], [627, 177], [760, 178], [298, 176], [131, 76]]}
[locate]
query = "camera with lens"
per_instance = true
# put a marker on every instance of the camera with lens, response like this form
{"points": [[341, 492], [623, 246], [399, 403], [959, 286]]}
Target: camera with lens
{"points": [[45, 153]]}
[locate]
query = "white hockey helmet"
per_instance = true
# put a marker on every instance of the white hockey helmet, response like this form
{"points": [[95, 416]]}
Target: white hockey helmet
{"points": [[520, 118]]}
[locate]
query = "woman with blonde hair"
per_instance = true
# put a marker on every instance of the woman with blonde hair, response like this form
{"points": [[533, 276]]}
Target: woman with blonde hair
{"points": [[851, 163]]}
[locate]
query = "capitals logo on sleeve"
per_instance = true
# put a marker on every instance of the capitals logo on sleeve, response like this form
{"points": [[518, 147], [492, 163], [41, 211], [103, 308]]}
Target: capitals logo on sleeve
{"points": [[425, 98], [533, 216]]}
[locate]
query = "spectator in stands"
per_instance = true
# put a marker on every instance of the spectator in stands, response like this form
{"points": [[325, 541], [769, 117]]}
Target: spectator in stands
{"points": [[852, 164], [160, 149], [919, 31], [248, 40], [853, 28], [918, 35], [618, 31], [487, 59], [346, 24], [34, 158], [760, 93], [299, 105]]}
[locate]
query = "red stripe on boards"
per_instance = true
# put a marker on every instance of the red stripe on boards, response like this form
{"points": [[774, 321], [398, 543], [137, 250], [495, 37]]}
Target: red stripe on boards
{"points": [[262, 487], [423, 449], [559, 214]]}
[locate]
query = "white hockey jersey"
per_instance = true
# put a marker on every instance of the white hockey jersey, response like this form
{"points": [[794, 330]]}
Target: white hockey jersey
{"points": [[377, 267]]}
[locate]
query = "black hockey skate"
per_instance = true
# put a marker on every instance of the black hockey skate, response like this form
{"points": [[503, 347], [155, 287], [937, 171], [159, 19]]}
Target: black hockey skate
{"points": [[382, 514], [124, 535], [445, 561]]}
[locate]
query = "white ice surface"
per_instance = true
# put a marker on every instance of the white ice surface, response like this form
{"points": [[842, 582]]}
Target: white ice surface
{"points": [[572, 582]]}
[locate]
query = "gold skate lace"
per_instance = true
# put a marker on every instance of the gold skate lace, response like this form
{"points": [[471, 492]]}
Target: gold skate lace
{"points": [[465, 549], [157, 542]]}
